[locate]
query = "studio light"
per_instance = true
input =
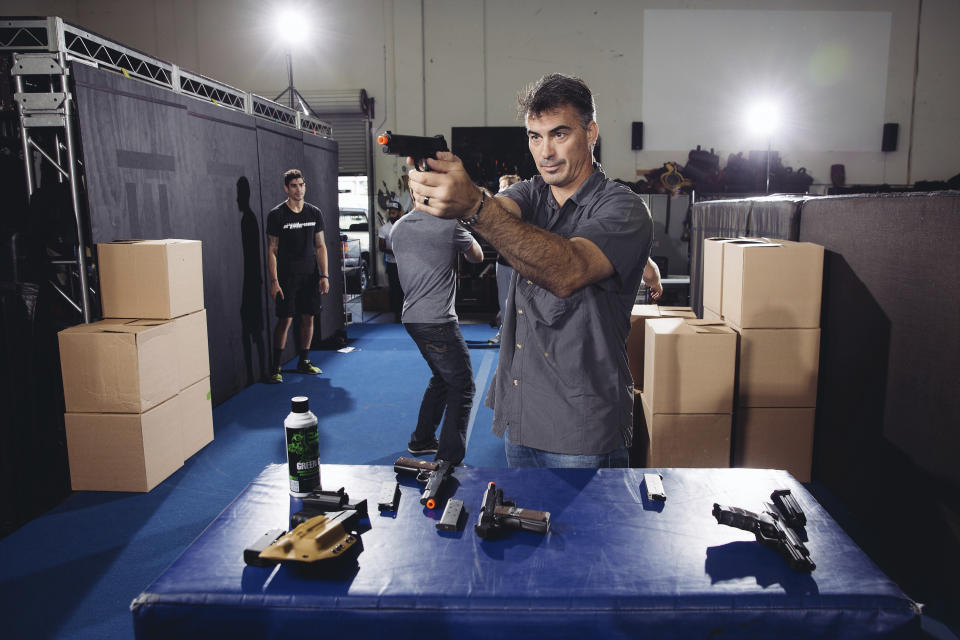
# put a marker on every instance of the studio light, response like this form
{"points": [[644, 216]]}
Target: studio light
{"points": [[763, 118], [291, 27]]}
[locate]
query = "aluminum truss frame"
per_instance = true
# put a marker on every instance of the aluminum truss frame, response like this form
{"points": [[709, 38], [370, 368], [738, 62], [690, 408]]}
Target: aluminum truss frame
{"points": [[46, 47]]}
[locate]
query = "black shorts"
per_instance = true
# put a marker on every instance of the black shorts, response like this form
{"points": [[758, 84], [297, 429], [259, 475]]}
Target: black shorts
{"points": [[300, 295]]}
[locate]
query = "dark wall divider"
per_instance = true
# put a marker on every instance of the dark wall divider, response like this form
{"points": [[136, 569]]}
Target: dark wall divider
{"points": [[886, 435], [162, 165]]}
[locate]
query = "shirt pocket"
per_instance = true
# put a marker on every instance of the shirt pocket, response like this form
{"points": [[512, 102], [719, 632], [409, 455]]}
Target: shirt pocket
{"points": [[542, 306]]}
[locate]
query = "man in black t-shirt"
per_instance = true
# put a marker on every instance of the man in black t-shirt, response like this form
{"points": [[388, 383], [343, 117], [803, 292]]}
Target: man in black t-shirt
{"points": [[297, 262]]}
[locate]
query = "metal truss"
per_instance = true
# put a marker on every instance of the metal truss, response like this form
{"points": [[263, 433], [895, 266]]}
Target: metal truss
{"points": [[46, 109], [54, 35], [43, 49]]}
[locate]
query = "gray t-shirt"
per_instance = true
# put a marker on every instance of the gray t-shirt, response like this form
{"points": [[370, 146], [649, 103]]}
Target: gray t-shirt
{"points": [[426, 249], [562, 382]]}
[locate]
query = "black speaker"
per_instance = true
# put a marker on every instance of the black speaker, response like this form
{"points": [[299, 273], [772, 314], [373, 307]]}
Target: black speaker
{"points": [[890, 131], [636, 136]]}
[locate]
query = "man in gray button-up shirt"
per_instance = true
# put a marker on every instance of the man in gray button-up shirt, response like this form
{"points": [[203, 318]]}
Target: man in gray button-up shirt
{"points": [[563, 395]]}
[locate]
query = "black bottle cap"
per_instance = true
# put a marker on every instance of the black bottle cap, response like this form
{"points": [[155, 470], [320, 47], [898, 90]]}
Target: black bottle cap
{"points": [[300, 404]]}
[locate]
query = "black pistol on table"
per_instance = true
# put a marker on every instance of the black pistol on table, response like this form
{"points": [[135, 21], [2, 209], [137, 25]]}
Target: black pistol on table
{"points": [[430, 474], [417, 147], [773, 527], [497, 514]]}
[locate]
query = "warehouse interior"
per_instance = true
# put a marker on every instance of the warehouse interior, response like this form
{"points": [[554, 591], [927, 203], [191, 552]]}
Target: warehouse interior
{"points": [[183, 116]]}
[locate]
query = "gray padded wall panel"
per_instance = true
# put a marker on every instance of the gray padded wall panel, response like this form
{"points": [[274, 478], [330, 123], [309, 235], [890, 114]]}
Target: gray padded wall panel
{"points": [[890, 354], [320, 162], [161, 165]]}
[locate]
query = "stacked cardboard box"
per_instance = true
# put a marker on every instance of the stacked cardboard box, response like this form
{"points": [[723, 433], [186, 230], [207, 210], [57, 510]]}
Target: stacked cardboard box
{"points": [[687, 397], [636, 338], [769, 292], [137, 388]]}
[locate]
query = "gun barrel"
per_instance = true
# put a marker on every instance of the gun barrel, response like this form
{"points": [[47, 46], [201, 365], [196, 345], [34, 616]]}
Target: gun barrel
{"points": [[434, 482], [412, 466], [736, 517], [485, 519], [417, 147]]}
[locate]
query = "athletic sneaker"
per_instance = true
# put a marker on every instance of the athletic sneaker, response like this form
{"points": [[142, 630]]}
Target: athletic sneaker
{"points": [[304, 366], [423, 448], [275, 377]]}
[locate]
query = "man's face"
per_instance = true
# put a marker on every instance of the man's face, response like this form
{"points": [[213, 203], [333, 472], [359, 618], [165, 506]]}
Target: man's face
{"points": [[561, 147], [393, 214], [504, 183], [296, 189]]}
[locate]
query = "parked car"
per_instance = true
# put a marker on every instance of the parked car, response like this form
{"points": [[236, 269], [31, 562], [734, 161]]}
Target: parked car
{"points": [[355, 247]]}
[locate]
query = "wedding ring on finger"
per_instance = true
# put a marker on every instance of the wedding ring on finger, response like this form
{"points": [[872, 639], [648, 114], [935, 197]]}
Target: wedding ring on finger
{"points": [[426, 200]]}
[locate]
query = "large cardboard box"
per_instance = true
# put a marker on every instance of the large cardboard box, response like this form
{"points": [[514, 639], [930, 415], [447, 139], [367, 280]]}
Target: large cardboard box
{"points": [[115, 367], [150, 278], [196, 421], [635, 339], [778, 367], [772, 285], [190, 340], [775, 438], [124, 451], [713, 272], [193, 357], [689, 366], [686, 439]]}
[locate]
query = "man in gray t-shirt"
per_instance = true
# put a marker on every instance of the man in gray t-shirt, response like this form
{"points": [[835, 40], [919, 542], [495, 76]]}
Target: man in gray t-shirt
{"points": [[426, 249]]}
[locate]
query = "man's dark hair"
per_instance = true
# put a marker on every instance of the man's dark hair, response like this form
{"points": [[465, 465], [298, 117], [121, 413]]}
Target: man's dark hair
{"points": [[554, 91], [291, 175]]}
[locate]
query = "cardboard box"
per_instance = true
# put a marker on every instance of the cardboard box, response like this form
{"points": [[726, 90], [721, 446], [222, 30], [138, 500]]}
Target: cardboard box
{"points": [[114, 367], [124, 451], [772, 285], [190, 339], [778, 367], [193, 357], [150, 278], [775, 438], [712, 316], [686, 439], [689, 366], [635, 338], [713, 272], [196, 417]]}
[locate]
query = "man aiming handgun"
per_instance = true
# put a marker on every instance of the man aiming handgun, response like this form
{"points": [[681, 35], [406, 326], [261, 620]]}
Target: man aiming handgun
{"points": [[562, 395]]}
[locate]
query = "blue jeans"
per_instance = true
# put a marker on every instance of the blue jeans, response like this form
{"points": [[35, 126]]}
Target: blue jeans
{"points": [[450, 390], [521, 456]]}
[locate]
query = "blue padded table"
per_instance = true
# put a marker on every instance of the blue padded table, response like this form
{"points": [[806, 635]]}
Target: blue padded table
{"points": [[613, 565]]}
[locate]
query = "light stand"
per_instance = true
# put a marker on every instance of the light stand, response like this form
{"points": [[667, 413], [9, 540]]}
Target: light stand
{"points": [[768, 166], [291, 91]]}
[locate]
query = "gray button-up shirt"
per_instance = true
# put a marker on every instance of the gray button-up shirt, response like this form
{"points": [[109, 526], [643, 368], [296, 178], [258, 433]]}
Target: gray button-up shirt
{"points": [[562, 382]]}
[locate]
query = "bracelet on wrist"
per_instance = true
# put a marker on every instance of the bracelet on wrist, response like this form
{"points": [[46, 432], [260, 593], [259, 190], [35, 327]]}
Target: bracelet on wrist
{"points": [[469, 222]]}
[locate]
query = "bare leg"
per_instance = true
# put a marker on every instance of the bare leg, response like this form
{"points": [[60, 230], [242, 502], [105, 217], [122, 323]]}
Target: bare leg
{"points": [[280, 333], [306, 332]]}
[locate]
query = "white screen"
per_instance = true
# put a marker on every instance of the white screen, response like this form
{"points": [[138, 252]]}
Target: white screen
{"points": [[702, 71]]}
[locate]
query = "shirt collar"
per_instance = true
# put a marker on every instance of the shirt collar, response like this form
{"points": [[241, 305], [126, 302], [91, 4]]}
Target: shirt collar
{"points": [[587, 190]]}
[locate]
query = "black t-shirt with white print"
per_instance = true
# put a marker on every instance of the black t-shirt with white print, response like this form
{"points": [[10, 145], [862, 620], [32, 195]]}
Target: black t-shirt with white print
{"points": [[295, 232]]}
